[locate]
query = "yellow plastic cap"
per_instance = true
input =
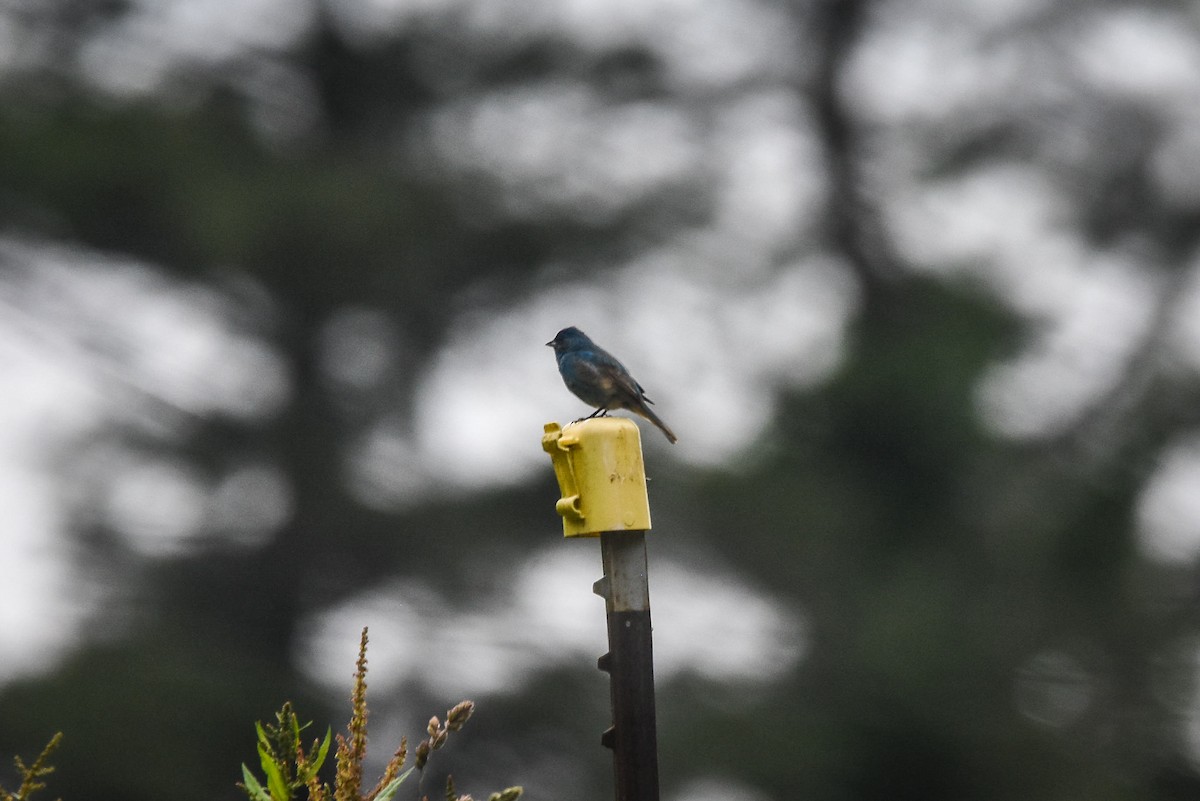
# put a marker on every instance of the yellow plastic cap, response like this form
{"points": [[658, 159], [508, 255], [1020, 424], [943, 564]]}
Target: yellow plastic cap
{"points": [[598, 463]]}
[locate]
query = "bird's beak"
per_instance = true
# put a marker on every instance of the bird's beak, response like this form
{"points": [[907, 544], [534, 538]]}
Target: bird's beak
{"points": [[550, 344]]}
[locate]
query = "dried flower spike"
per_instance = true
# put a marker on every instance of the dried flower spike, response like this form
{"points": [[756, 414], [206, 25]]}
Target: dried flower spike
{"points": [[508, 794], [459, 714]]}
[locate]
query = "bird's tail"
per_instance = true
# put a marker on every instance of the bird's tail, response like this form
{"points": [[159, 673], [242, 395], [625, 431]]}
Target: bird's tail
{"points": [[645, 411]]}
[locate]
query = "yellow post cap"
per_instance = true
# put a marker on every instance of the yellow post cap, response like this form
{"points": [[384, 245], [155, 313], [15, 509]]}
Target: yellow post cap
{"points": [[598, 463]]}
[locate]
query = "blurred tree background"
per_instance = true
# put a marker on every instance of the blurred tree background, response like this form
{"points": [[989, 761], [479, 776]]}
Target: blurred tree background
{"points": [[916, 283]]}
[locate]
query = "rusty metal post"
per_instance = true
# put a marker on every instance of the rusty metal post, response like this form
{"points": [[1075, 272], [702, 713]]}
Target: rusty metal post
{"points": [[629, 663]]}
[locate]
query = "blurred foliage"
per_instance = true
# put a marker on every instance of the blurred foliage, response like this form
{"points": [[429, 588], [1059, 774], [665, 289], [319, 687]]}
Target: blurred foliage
{"points": [[290, 769], [947, 574], [32, 775]]}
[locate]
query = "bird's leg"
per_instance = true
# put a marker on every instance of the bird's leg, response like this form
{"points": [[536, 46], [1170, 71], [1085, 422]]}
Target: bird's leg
{"points": [[601, 412]]}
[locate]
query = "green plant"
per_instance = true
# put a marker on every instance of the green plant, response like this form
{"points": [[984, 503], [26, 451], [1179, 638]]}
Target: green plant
{"points": [[290, 769], [31, 775]]}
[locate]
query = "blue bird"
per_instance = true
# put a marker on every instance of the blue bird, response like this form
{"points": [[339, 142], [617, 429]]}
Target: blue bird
{"points": [[598, 379]]}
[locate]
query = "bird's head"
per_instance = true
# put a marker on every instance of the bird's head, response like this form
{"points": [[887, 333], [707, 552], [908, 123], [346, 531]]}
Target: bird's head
{"points": [[569, 339]]}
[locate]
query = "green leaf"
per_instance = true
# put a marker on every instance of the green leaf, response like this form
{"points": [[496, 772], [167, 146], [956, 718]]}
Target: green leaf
{"points": [[315, 760], [253, 788], [279, 788], [266, 758], [387, 792], [320, 758], [262, 734]]}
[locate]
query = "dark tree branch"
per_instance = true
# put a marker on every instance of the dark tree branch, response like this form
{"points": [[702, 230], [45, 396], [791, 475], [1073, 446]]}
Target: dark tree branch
{"points": [[854, 221]]}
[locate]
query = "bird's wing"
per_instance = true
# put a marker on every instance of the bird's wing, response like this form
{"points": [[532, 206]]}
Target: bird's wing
{"points": [[591, 382], [587, 367], [622, 381], [641, 391]]}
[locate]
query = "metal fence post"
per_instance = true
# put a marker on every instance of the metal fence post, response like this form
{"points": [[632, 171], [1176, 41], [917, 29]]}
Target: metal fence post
{"points": [[629, 663], [598, 463]]}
